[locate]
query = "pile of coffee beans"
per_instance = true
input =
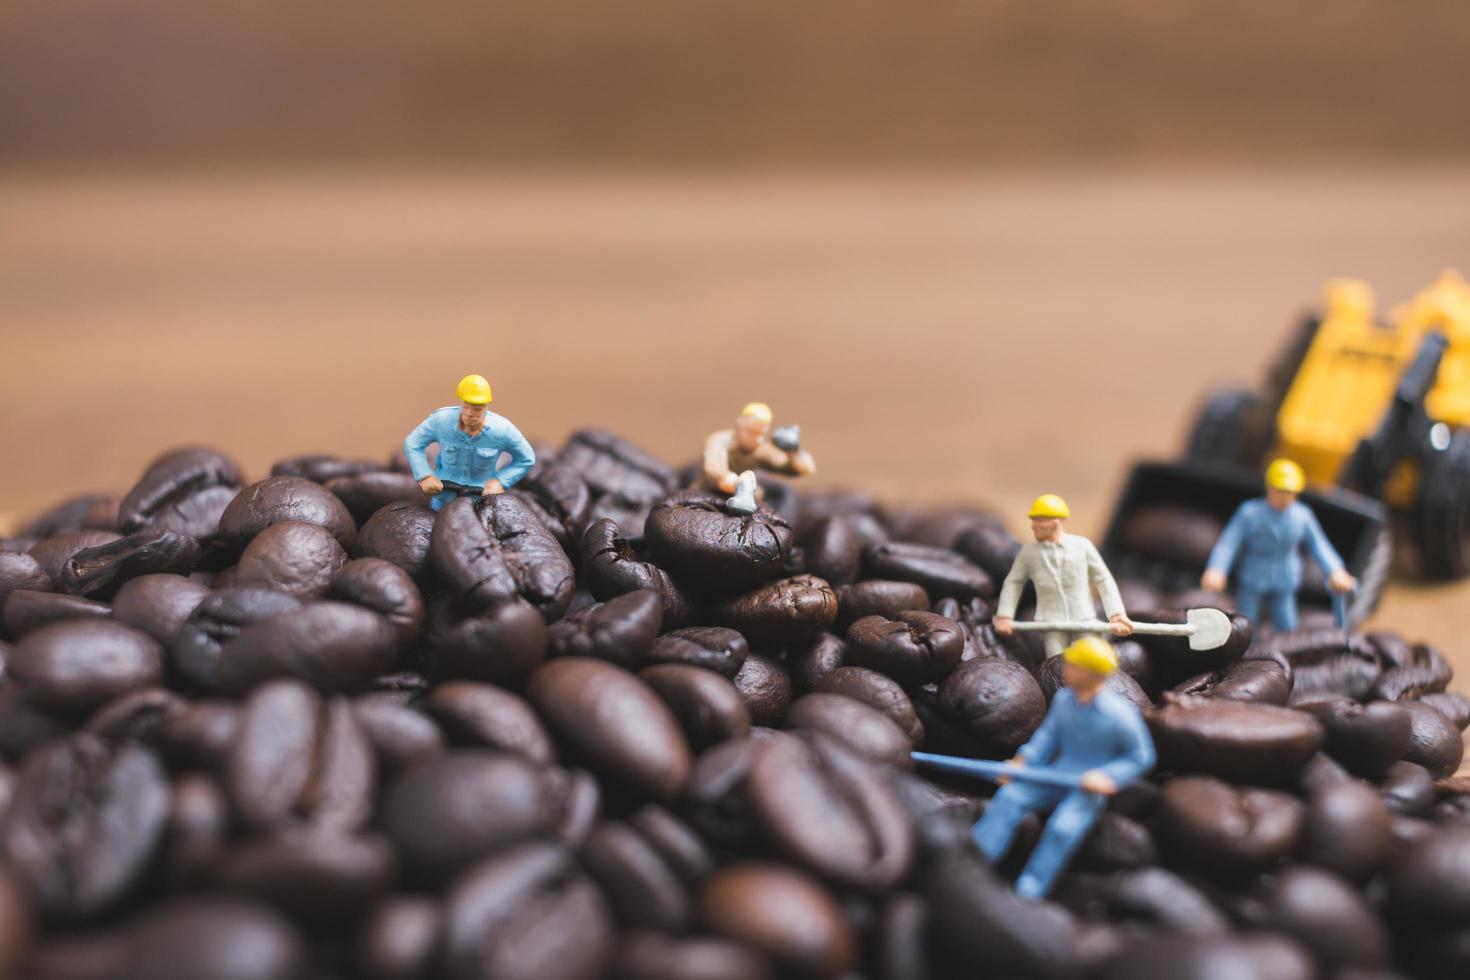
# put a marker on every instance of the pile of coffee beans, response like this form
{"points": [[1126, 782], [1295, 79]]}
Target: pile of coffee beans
{"points": [[601, 726]]}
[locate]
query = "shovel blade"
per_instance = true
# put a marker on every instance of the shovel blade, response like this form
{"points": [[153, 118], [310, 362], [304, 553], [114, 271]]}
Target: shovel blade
{"points": [[1211, 628]]}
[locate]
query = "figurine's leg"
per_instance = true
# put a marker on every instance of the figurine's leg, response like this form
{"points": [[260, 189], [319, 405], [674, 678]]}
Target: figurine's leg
{"points": [[1283, 610], [1064, 833], [438, 501], [743, 501], [1055, 643], [997, 826], [1248, 604]]}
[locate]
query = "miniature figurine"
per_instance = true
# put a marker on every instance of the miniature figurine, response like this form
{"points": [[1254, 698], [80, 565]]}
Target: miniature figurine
{"points": [[1266, 535], [1060, 566], [470, 439], [731, 456], [1090, 734]]}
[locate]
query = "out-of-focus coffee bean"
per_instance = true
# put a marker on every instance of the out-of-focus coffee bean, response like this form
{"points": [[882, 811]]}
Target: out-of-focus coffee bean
{"points": [[645, 892], [400, 736], [199, 734], [625, 481], [903, 947], [52, 553], [216, 937], [560, 498], [913, 647], [1428, 880], [500, 643], [159, 605], [1177, 535], [340, 792], [708, 706], [1260, 681], [198, 829], [364, 494], [996, 701], [1117, 843], [1156, 897], [614, 722], [197, 647], [284, 498], [656, 956], [864, 729], [1226, 830], [1327, 916], [940, 571], [99, 572], [879, 692], [1434, 742], [397, 940], [1330, 661], [834, 550], [809, 664], [17, 928], [326, 881], [1242, 742], [137, 716], [717, 648], [485, 716], [612, 567], [527, 912], [783, 913], [1412, 669], [991, 547], [75, 667], [322, 467], [1364, 738], [878, 597], [184, 491], [1408, 789], [786, 613], [1261, 956], [1347, 828], [387, 590], [84, 825], [270, 763], [765, 687], [620, 630], [291, 557], [693, 534], [1455, 707], [21, 572], [331, 645], [26, 611], [1049, 679], [400, 533], [94, 510]]}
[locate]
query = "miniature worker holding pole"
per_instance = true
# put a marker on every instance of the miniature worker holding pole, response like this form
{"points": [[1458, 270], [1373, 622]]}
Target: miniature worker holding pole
{"points": [[731, 456], [1092, 742], [1263, 542], [1063, 568], [471, 439]]}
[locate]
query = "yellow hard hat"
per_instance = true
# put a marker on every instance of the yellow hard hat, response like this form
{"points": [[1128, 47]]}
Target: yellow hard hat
{"points": [[1283, 474], [1092, 653], [758, 410], [473, 388], [1049, 505]]}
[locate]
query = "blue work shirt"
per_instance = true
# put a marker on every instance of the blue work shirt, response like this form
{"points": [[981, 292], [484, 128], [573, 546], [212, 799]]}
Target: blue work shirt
{"points": [[467, 459], [1267, 543], [1107, 734]]}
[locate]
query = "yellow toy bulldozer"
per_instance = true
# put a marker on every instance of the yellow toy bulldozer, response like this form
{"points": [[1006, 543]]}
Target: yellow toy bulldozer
{"points": [[1376, 412]]}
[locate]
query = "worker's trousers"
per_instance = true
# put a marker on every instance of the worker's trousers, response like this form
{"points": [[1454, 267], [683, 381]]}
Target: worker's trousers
{"points": [[1280, 605], [1077, 810]]}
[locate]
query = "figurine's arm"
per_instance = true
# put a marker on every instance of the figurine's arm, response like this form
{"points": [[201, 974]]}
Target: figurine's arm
{"points": [[1138, 756], [522, 456], [717, 461], [1010, 590], [421, 438], [1322, 551], [1222, 556], [1103, 582]]}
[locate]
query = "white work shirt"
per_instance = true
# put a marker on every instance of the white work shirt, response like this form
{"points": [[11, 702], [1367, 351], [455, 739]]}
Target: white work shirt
{"points": [[1061, 571]]}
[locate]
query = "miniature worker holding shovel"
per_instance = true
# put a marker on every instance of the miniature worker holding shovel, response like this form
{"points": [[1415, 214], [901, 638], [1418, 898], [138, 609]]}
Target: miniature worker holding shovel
{"points": [[731, 456], [1093, 742], [1062, 567]]}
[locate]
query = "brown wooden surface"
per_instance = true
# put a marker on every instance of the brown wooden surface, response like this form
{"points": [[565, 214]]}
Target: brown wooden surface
{"points": [[962, 339]]}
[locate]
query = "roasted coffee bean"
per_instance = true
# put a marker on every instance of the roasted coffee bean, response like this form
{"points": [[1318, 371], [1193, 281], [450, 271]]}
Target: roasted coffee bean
{"points": [[1428, 880], [611, 567], [1327, 916], [693, 534], [996, 701], [1260, 681], [331, 645], [655, 956], [1365, 738], [326, 881], [339, 794], [1224, 830], [644, 891], [198, 646], [398, 939], [138, 716], [387, 590], [184, 491], [784, 914], [198, 829], [560, 498], [1049, 678], [879, 692], [864, 729], [991, 547], [23, 726], [541, 570], [903, 949], [1455, 707], [809, 664], [1348, 829], [271, 760], [938, 527], [17, 928], [1408, 789], [625, 481], [707, 705], [216, 937], [786, 613], [21, 572], [1152, 896], [865, 840], [75, 667], [1177, 535], [400, 533], [1117, 843], [159, 605], [834, 550], [94, 510], [26, 611], [364, 494], [400, 736], [526, 912], [714, 647], [498, 644], [485, 716], [1412, 669], [54, 552], [291, 557], [1434, 742], [1259, 744], [1330, 661], [940, 571], [1261, 956], [765, 687], [620, 630], [913, 647], [321, 467], [84, 825], [284, 498], [99, 572], [467, 559], [878, 597]]}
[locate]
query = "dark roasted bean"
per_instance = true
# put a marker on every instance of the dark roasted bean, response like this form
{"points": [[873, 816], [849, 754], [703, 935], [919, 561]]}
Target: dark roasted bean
{"points": [[159, 605], [98, 511], [1258, 955], [99, 572], [560, 498], [940, 571], [655, 956], [783, 913], [26, 611], [718, 648], [325, 881], [498, 644], [693, 534], [364, 494], [75, 667], [54, 552], [1365, 738], [1225, 831], [878, 597], [1348, 829], [624, 480], [1261, 681], [270, 762], [485, 716], [619, 630], [765, 687], [21, 572], [863, 729], [913, 647], [708, 706], [284, 498], [786, 613], [387, 590], [1434, 742], [331, 645], [220, 938], [834, 550], [997, 701], [809, 664], [400, 533], [1408, 789], [646, 893], [1049, 678], [291, 557], [399, 736], [879, 692], [1236, 740], [398, 939], [612, 567]]}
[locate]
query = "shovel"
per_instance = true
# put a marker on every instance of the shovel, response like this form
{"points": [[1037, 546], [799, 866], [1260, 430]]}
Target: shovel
{"points": [[994, 771], [1207, 629]]}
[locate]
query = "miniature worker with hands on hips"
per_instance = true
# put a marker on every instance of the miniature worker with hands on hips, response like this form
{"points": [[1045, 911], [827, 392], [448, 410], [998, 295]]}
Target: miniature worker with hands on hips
{"points": [[471, 439], [1061, 566]]}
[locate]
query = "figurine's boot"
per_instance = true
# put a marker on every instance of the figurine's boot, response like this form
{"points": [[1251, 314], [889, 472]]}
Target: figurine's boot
{"points": [[743, 502]]}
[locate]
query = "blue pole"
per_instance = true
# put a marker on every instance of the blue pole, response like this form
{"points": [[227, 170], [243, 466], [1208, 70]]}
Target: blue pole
{"points": [[987, 769]]}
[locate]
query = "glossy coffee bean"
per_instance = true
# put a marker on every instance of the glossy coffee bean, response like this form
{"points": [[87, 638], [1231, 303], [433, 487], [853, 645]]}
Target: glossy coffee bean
{"points": [[270, 762], [332, 646], [400, 533], [615, 468], [527, 912], [541, 570], [291, 557], [940, 571], [1224, 830], [1347, 828], [716, 648], [99, 572], [325, 881], [1171, 658], [197, 832], [1152, 896], [657, 956], [1455, 707], [364, 494], [913, 647], [137, 716], [75, 667], [991, 547], [18, 571], [1049, 678], [694, 535], [1235, 740], [322, 467], [1117, 843], [765, 687], [99, 511], [877, 691], [1259, 681], [198, 645], [26, 611], [285, 498], [54, 552], [1330, 661], [400, 736], [1258, 955], [878, 597], [620, 630], [1427, 880], [611, 567], [1408, 789], [560, 498], [84, 825], [786, 613], [834, 550], [1434, 742], [184, 491], [500, 643], [1364, 738], [864, 729], [397, 941], [784, 914], [709, 708], [645, 892], [808, 664], [1328, 916], [339, 794], [996, 701], [387, 590], [159, 605], [484, 716], [217, 937]]}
